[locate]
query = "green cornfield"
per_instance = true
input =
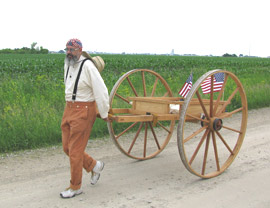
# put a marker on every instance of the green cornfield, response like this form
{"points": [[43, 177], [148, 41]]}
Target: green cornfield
{"points": [[32, 90]]}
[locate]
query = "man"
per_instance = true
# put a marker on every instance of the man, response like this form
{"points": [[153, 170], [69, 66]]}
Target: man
{"points": [[84, 90]]}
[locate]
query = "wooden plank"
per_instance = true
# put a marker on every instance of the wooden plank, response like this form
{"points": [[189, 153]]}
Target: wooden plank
{"points": [[173, 100], [119, 110], [142, 118], [132, 118], [152, 107], [165, 100]]}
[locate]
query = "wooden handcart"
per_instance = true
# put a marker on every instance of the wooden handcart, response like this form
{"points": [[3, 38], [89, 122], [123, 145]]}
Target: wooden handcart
{"points": [[211, 127]]}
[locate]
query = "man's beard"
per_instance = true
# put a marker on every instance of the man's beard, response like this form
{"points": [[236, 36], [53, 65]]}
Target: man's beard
{"points": [[71, 59]]}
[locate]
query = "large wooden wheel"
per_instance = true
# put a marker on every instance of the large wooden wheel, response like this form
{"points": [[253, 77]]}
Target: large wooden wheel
{"points": [[141, 139], [209, 145]]}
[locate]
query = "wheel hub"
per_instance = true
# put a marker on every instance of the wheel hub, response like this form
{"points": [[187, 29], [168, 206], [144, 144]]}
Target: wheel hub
{"points": [[217, 124]]}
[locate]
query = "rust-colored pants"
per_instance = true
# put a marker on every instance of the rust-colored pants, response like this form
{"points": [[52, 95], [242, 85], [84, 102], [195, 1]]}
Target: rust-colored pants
{"points": [[77, 123]]}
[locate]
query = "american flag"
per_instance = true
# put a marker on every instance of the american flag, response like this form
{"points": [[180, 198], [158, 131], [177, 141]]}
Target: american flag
{"points": [[218, 82], [186, 87]]}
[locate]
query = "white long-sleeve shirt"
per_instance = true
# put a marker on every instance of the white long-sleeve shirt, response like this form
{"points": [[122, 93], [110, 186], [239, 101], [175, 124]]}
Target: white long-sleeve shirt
{"points": [[91, 86]]}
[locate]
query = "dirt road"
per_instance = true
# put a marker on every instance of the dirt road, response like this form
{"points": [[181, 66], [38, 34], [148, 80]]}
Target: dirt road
{"points": [[35, 178]]}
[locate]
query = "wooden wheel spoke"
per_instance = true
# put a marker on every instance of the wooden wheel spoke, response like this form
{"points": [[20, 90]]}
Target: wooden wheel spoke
{"points": [[166, 94], [205, 153], [224, 142], [195, 133], [163, 127], [122, 98], [202, 105], [197, 118], [228, 114], [154, 87], [228, 101], [231, 129], [135, 138], [131, 126], [154, 134], [144, 86], [199, 146], [145, 139], [215, 150], [220, 94], [132, 87]]}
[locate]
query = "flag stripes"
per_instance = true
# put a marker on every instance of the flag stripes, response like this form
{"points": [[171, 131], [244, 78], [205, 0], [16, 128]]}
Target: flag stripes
{"points": [[186, 87], [218, 80]]}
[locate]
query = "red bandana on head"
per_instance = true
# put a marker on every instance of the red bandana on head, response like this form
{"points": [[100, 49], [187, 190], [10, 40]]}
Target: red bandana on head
{"points": [[75, 43]]}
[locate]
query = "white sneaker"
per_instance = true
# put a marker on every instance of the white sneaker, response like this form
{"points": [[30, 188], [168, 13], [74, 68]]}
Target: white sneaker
{"points": [[68, 193], [96, 172]]}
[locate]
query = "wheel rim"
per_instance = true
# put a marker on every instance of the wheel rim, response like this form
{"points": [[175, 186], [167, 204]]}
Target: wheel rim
{"points": [[222, 122], [139, 140]]}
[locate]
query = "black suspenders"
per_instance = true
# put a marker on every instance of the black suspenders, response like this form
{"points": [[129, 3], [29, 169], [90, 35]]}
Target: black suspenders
{"points": [[77, 80]]}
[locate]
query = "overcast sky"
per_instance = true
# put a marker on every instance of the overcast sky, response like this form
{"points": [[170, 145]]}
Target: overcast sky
{"points": [[201, 27]]}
